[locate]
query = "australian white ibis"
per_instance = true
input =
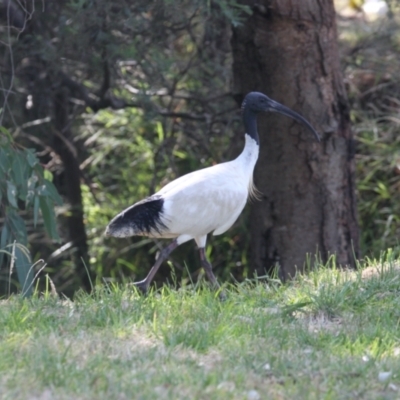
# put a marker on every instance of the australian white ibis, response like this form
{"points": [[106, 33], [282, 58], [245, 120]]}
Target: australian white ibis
{"points": [[201, 202]]}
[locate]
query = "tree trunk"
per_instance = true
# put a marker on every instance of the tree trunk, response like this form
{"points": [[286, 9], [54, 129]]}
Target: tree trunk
{"points": [[75, 219], [288, 50]]}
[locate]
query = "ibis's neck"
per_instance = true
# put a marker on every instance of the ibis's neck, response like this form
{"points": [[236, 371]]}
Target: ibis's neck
{"points": [[250, 123], [248, 157]]}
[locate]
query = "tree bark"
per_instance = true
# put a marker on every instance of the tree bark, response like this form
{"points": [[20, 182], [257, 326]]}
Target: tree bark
{"points": [[288, 50], [75, 219]]}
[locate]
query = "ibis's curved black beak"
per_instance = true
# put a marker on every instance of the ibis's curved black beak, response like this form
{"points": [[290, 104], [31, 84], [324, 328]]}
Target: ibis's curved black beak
{"points": [[274, 106]]}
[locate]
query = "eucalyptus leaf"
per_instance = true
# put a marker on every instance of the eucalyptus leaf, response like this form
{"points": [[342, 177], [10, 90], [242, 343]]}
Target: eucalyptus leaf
{"points": [[12, 194], [17, 227], [4, 161], [48, 175], [4, 240], [48, 217], [31, 157], [32, 181], [17, 169], [6, 132], [53, 192], [25, 180], [36, 204], [20, 172], [23, 265], [43, 191]]}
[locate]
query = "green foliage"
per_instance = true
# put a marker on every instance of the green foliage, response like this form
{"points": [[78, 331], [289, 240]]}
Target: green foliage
{"points": [[171, 60], [157, 75], [23, 187], [131, 153], [371, 64], [379, 183]]}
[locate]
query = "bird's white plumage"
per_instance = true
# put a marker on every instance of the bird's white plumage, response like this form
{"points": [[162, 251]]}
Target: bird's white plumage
{"points": [[203, 202], [208, 200]]}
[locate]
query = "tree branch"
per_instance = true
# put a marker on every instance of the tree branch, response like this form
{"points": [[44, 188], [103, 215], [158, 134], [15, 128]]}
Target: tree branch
{"points": [[107, 100], [116, 103], [192, 117]]}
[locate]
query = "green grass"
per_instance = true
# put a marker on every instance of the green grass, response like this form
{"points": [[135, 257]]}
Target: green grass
{"points": [[327, 335]]}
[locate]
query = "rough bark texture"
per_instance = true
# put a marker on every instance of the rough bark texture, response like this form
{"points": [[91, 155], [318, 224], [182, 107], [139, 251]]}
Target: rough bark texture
{"points": [[75, 220], [288, 50]]}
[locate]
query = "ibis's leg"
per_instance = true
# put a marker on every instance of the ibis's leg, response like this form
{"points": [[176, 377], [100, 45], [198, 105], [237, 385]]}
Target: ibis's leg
{"points": [[208, 268], [143, 285]]}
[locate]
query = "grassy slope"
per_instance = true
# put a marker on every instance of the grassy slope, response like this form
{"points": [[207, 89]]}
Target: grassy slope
{"points": [[329, 335]]}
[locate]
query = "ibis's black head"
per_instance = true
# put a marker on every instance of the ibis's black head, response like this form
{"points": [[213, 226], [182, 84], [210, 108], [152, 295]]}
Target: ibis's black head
{"points": [[256, 102]]}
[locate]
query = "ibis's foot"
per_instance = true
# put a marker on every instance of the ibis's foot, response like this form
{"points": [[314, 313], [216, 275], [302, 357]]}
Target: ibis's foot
{"points": [[143, 286]]}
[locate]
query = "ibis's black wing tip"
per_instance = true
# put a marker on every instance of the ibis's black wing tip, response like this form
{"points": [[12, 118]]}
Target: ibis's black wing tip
{"points": [[143, 218]]}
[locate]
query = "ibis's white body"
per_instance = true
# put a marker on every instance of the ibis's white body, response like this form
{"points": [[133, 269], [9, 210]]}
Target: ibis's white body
{"points": [[203, 202], [208, 200]]}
